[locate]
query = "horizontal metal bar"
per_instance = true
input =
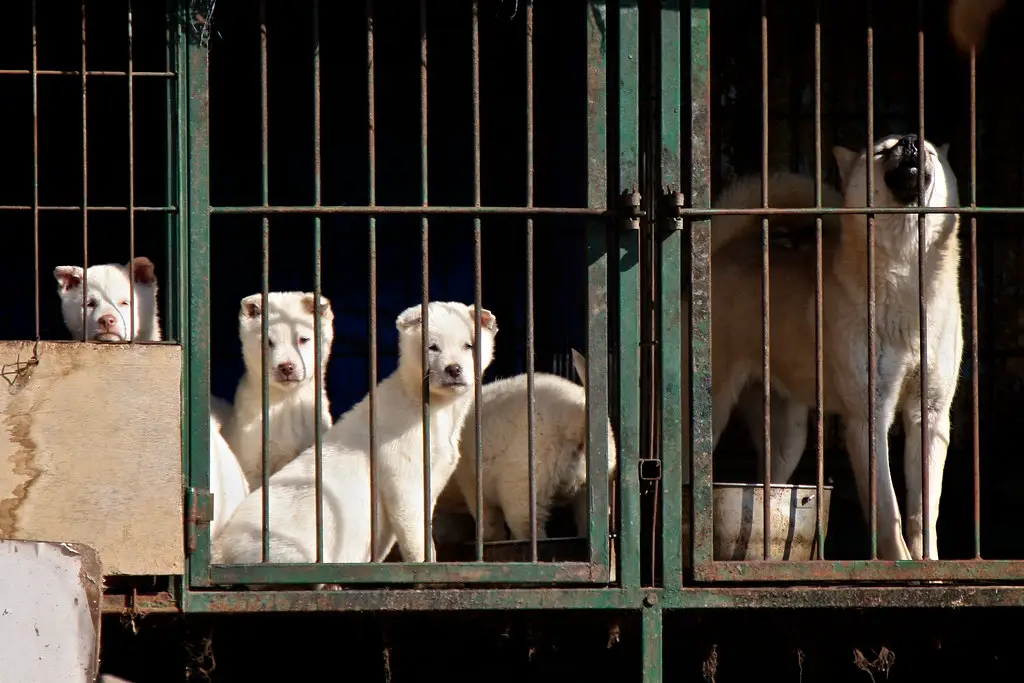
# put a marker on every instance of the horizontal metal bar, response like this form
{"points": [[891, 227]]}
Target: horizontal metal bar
{"points": [[427, 572], [90, 208], [422, 600], [844, 210], [411, 210], [863, 570], [139, 604], [76, 72], [162, 342]]}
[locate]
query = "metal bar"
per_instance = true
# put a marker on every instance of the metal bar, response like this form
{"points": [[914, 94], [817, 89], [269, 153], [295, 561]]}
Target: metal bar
{"points": [[700, 285], [922, 299], [766, 372], [406, 572], [815, 571], [629, 258], [35, 165], [872, 357], [195, 147], [478, 433], [265, 280], [597, 282], [78, 72], [694, 212], [90, 209], [819, 369], [650, 644], [85, 186], [534, 599], [531, 438], [428, 537], [975, 413], [670, 272], [372, 253], [318, 437], [175, 92], [131, 169]]}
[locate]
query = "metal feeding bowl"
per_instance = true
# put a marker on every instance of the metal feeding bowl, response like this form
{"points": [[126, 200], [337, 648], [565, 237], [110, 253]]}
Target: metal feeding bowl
{"points": [[739, 521]]}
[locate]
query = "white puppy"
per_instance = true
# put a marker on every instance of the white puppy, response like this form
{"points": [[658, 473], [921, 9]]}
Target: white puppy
{"points": [[346, 455], [560, 438], [227, 481], [108, 301], [292, 404]]}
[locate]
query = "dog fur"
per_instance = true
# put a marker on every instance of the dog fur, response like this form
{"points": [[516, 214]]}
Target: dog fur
{"points": [[736, 339], [292, 404], [969, 21], [108, 301], [227, 481], [560, 453], [346, 455]]}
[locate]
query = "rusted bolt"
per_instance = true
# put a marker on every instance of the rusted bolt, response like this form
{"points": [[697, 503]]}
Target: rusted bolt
{"points": [[674, 204], [650, 600]]}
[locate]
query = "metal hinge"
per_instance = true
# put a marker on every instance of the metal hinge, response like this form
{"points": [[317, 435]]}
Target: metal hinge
{"points": [[673, 204], [198, 512], [631, 201]]}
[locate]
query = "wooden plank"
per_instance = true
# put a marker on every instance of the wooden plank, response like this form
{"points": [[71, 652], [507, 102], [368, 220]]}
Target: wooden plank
{"points": [[90, 450]]}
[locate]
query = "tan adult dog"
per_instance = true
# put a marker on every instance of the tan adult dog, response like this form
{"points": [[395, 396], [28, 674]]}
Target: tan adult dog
{"points": [[737, 342]]}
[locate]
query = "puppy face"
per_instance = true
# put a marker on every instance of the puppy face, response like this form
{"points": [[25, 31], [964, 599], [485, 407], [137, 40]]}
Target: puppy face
{"points": [[290, 334], [107, 302], [450, 344], [897, 170]]}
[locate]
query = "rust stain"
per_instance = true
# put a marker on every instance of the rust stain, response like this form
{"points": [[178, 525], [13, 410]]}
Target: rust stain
{"points": [[23, 464]]}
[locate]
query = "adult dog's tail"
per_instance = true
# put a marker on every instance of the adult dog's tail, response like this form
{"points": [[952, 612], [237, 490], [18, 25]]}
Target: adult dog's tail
{"points": [[786, 190]]}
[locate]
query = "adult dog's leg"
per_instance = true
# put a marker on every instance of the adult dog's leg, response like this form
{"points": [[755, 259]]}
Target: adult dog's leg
{"points": [[789, 430]]}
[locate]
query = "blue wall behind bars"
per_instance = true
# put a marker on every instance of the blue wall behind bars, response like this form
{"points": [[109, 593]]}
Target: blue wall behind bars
{"points": [[560, 173]]}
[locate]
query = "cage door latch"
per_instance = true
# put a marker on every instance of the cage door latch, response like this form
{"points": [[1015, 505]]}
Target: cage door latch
{"points": [[198, 512]]}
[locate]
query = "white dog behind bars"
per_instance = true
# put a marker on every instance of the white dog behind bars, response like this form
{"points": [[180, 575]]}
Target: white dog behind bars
{"points": [[346, 455], [559, 454], [737, 343], [292, 401], [111, 314]]}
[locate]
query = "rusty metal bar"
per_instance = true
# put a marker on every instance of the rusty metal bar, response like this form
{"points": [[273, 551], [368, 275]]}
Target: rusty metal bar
{"points": [[975, 413], [318, 379], [419, 210], [922, 299], [766, 372], [85, 187], [35, 165], [131, 169], [819, 364], [477, 290], [264, 313], [531, 359], [78, 72], [36, 207], [872, 371], [372, 253], [425, 228], [872, 570]]}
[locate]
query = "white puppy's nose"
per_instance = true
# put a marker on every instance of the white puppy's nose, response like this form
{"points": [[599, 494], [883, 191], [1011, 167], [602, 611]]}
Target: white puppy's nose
{"points": [[107, 322], [454, 370], [287, 369]]}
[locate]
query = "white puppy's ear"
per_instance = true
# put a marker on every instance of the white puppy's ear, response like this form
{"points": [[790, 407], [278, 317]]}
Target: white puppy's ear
{"points": [[944, 150], [252, 306], [68, 277], [409, 318], [580, 364], [845, 160], [487, 319], [143, 271], [325, 305]]}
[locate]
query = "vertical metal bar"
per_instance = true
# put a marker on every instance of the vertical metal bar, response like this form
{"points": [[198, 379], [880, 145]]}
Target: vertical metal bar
{"points": [[975, 414], [372, 249], [194, 145], [651, 648], [131, 171], [819, 369], [872, 370], [174, 194], [700, 285], [922, 300], [478, 285], [264, 313], [317, 288], [597, 284], [629, 259], [531, 438], [85, 185], [671, 349], [766, 373], [425, 228], [35, 165]]}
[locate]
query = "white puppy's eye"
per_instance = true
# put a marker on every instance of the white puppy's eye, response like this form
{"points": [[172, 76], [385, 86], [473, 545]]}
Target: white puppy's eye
{"points": [[469, 347], [303, 340], [270, 343], [434, 347], [91, 304], [125, 302]]}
